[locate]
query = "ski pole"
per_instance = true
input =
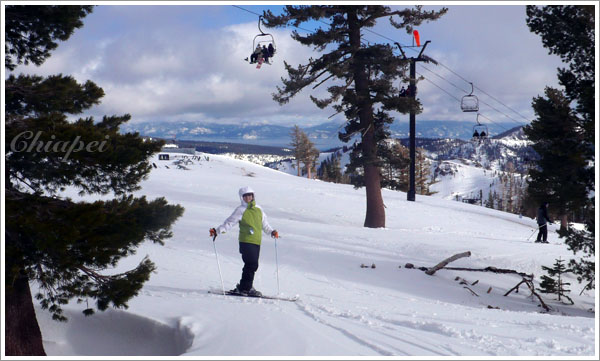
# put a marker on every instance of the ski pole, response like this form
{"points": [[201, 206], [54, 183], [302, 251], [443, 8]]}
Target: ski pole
{"points": [[277, 266], [218, 264], [535, 230]]}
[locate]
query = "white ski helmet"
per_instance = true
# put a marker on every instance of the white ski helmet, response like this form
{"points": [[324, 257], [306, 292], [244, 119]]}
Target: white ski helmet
{"points": [[245, 190]]}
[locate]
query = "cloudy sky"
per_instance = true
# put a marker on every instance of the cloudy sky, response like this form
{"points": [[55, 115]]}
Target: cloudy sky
{"points": [[185, 62]]}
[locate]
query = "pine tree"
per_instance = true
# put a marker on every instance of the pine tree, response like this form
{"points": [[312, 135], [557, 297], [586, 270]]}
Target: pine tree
{"points": [[60, 244], [569, 31], [335, 170], [310, 155], [490, 201], [365, 72], [559, 178], [584, 241], [497, 201], [297, 144], [510, 190], [322, 170], [423, 171], [563, 134], [554, 283], [304, 150], [31, 32], [395, 162]]}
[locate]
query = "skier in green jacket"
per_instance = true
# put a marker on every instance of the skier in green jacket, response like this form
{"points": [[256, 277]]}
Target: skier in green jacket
{"points": [[251, 220]]}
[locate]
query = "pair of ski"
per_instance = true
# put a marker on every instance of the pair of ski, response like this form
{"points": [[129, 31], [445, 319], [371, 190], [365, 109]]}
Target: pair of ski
{"points": [[236, 294]]}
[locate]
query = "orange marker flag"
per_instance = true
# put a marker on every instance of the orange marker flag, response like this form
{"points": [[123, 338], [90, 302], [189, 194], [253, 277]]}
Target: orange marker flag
{"points": [[417, 38]]}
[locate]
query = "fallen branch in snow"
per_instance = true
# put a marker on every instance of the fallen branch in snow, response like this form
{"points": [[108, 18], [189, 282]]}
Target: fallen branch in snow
{"points": [[515, 288], [531, 287], [588, 286], [442, 264], [526, 278], [432, 270], [463, 281], [473, 292], [490, 269]]}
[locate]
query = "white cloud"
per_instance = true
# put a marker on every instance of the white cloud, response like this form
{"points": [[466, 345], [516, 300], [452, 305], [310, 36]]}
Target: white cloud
{"points": [[155, 64], [250, 136], [200, 130]]}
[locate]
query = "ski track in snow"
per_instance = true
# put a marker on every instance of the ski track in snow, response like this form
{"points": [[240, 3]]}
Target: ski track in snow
{"points": [[343, 331], [343, 310]]}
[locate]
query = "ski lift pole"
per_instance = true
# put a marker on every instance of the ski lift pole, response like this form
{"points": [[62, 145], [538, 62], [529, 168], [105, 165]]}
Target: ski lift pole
{"points": [[411, 194], [218, 264]]}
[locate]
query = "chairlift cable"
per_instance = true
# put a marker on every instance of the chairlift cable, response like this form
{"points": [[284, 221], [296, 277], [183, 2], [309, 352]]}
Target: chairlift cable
{"points": [[484, 92], [439, 87], [481, 101], [441, 77], [458, 100], [467, 81], [461, 77], [252, 12], [501, 112], [241, 8], [516, 112], [440, 63]]}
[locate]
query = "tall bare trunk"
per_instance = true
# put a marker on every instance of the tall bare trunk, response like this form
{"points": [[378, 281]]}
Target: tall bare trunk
{"points": [[564, 222], [23, 336], [375, 217]]}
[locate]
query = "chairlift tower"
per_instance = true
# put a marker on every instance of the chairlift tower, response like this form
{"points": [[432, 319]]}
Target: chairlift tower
{"points": [[411, 195]]}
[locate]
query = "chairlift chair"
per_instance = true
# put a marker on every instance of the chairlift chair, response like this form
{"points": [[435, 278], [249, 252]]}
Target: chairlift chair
{"points": [[469, 103], [262, 39], [480, 131]]}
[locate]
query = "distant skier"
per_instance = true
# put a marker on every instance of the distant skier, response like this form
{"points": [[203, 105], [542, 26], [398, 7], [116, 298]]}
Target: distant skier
{"points": [[251, 220], [542, 218]]}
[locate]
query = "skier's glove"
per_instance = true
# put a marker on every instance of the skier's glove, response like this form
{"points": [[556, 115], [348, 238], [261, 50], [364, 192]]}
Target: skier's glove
{"points": [[213, 232], [274, 234]]}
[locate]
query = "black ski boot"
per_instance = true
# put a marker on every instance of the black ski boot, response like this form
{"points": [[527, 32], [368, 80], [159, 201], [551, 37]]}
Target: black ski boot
{"points": [[239, 291], [253, 293]]}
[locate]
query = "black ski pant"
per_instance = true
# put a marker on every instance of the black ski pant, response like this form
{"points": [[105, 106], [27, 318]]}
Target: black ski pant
{"points": [[543, 234], [250, 253]]}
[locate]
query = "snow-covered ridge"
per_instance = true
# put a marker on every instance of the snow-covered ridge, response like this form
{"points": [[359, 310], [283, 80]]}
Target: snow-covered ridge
{"points": [[460, 170], [260, 159]]}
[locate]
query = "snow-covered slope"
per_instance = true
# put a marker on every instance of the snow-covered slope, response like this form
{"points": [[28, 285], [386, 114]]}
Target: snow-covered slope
{"points": [[456, 178], [461, 179], [343, 309]]}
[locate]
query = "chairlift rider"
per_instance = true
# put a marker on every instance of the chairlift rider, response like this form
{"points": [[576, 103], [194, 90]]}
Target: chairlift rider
{"points": [[260, 48], [480, 131], [408, 92]]}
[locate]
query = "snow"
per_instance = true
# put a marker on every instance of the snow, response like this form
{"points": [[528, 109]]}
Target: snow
{"points": [[463, 179], [260, 159], [343, 309], [288, 164], [515, 140]]}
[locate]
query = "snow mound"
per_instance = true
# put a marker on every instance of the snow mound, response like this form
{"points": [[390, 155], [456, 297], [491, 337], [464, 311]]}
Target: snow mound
{"points": [[112, 333]]}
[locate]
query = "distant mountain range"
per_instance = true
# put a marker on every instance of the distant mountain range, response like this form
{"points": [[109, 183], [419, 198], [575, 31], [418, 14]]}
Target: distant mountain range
{"points": [[510, 146], [460, 169], [324, 135]]}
